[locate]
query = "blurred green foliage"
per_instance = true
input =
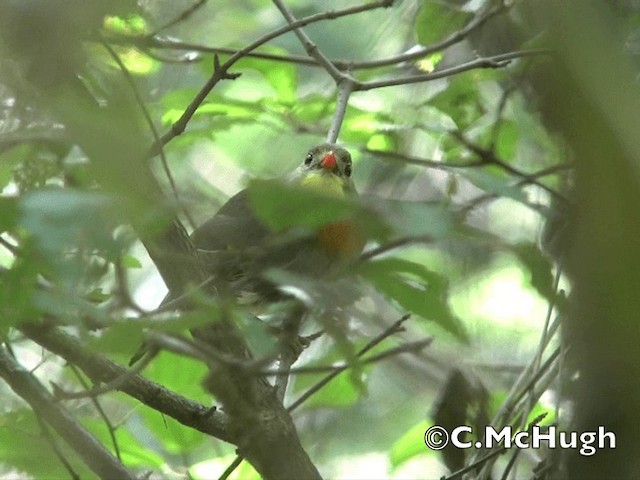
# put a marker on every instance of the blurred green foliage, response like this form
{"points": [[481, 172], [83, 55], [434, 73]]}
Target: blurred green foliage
{"points": [[68, 251]]}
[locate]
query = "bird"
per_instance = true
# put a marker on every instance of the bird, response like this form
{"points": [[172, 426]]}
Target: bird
{"points": [[237, 248]]}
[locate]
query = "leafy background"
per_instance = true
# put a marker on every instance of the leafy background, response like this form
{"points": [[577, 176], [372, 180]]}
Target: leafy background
{"points": [[466, 184]]}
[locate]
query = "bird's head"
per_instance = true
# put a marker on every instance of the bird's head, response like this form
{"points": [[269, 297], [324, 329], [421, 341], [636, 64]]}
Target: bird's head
{"points": [[327, 169]]}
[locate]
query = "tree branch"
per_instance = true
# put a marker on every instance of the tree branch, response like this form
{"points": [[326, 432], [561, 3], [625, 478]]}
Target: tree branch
{"points": [[92, 452], [345, 87], [476, 22], [102, 370], [311, 48], [221, 72], [392, 330], [495, 61], [411, 347]]}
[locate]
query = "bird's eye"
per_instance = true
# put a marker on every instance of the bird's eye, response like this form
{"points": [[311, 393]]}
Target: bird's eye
{"points": [[308, 158], [347, 170]]}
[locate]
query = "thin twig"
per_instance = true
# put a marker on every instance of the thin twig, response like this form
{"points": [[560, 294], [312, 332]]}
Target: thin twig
{"points": [[181, 17], [101, 412], [345, 87], [147, 44], [411, 347], [423, 162], [473, 466], [232, 466], [490, 158], [387, 247], [100, 369], [485, 197], [9, 246], [221, 72], [392, 330], [289, 348], [311, 48], [111, 386], [548, 329], [477, 21], [495, 61], [46, 434], [497, 124], [152, 126], [92, 452], [343, 79], [122, 289]]}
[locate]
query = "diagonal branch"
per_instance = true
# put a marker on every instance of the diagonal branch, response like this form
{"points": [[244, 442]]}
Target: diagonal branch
{"points": [[181, 17], [100, 370], [484, 15], [391, 330], [92, 452], [495, 61], [394, 328], [311, 48], [221, 73], [344, 80]]}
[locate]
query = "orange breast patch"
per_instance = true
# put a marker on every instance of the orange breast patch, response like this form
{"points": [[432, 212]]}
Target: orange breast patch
{"points": [[341, 239]]}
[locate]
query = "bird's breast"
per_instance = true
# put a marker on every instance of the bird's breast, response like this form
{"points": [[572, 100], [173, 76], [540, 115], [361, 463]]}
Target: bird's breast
{"points": [[341, 239]]}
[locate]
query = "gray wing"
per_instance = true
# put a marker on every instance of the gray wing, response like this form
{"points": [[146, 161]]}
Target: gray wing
{"points": [[234, 227]]}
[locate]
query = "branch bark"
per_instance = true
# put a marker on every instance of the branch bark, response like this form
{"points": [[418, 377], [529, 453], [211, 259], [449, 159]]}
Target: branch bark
{"points": [[111, 135], [92, 452]]}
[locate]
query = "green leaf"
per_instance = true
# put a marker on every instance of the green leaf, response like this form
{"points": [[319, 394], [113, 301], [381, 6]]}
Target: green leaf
{"points": [[97, 295], [494, 179], [125, 336], [342, 391], [133, 454], [27, 450], [174, 102], [282, 206], [120, 337], [131, 25], [10, 159], [437, 19], [359, 126], [8, 213], [541, 269], [17, 287], [351, 384], [60, 219], [129, 261], [183, 375], [508, 140], [429, 63], [382, 141], [137, 62], [313, 108], [414, 218], [233, 111], [257, 334], [415, 288], [410, 444], [215, 467], [460, 100], [282, 77]]}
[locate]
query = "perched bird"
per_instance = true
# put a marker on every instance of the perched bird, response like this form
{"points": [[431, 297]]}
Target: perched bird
{"points": [[237, 247]]}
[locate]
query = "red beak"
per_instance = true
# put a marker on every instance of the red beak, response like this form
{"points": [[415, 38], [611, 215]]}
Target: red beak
{"points": [[329, 161]]}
